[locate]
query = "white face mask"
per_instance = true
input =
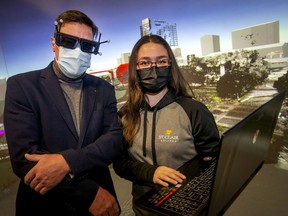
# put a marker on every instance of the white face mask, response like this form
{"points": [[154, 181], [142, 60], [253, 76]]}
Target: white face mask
{"points": [[73, 62]]}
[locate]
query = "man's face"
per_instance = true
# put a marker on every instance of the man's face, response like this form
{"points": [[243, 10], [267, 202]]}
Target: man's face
{"points": [[74, 29]]}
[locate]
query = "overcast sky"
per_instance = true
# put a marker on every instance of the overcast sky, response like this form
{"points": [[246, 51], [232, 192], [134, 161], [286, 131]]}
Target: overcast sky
{"points": [[27, 26]]}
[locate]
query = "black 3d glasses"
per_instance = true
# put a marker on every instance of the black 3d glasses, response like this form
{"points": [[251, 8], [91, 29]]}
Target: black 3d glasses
{"points": [[71, 42]]}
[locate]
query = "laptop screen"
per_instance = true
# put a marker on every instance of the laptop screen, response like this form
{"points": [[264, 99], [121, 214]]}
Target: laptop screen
{"points": [[243, 151]]}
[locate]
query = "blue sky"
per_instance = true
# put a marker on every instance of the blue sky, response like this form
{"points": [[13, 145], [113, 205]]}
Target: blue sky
{"points": [[27, 25]]}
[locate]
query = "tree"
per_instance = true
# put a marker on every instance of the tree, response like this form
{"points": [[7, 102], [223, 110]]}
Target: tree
{"points": [[244, 71], [282, 83], [194, 72]]}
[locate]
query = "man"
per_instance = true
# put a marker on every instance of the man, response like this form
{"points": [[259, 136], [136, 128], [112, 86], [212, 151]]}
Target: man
{"points": [[62, 129]]}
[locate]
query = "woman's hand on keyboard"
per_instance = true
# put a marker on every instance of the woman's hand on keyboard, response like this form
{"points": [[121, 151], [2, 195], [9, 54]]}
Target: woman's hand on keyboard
{"points": [[164, 175]]}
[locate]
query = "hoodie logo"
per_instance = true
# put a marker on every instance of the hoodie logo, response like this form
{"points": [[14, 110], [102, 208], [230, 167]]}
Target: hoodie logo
{"points": [[168, 132], [168, 137]]}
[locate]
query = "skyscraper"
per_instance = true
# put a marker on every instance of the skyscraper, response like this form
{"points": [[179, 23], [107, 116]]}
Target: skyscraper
{"points": [[167, 31], [161, 28], [145, 27]]}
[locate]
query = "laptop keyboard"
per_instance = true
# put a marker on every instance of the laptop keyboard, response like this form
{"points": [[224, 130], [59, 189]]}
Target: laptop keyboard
{"points": [[189, 199]]}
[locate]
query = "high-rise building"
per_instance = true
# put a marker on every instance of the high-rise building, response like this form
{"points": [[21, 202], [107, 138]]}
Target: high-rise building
{"points": [[162, 28], [210, 44], [145, 27], [125, 57], [167, 31], [263, 34]]}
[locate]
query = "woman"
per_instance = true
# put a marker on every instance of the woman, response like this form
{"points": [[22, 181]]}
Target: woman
{"points": [[163, 126]]}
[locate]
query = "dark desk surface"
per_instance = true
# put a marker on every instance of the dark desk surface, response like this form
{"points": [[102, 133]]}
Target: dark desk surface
{"points": [[266, 194]]}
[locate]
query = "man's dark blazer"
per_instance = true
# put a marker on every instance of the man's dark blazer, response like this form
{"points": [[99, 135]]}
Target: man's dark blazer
{"points": [[37, 120]]}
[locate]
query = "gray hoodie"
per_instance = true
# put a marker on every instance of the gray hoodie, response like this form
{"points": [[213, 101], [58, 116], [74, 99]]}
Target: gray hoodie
{"points": [[172, 133]]}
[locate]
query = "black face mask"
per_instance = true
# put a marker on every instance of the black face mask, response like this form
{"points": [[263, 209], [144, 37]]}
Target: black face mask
{"points": [[154, 79]]}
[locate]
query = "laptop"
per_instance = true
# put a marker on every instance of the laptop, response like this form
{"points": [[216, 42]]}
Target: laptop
{"points": [[212, 185]]}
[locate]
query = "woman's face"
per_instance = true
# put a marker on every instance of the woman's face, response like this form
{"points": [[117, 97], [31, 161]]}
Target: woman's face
{"points": [[153, 68], [152, 52]]}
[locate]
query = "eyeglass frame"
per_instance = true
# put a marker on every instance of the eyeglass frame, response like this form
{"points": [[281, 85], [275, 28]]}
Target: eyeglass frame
{"points": [[80, 41], [96, 51], [154, 62]]}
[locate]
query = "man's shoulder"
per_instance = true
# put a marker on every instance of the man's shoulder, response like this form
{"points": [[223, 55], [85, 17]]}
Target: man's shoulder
{"points": [[25, 74], [29, 74], [29, 79]]}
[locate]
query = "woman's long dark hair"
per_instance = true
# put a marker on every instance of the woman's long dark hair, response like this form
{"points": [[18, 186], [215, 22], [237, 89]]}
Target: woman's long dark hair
{"points": [[129, 114]]}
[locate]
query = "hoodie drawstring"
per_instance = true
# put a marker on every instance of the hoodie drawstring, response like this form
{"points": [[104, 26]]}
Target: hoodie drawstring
{"points": [[153, 137], [144, 133]]}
